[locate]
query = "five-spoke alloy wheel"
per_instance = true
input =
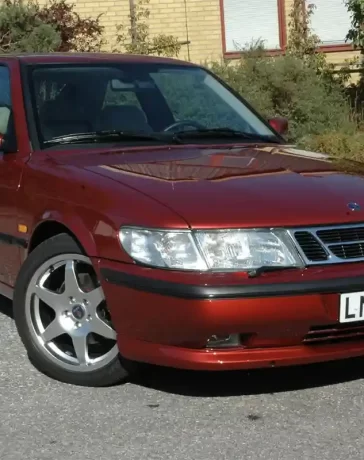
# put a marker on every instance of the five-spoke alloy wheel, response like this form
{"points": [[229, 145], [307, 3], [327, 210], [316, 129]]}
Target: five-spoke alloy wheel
{"points": [[67, 314], [62, 317]]}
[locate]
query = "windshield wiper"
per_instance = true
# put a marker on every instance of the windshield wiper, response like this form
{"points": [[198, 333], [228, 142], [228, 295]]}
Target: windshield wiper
{"points": [[224, 132], [175, 138], [268, 268], [110, 136]]}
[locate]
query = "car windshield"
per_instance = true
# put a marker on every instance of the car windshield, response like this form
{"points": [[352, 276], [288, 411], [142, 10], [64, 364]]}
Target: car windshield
{"points": [[118, 102]]}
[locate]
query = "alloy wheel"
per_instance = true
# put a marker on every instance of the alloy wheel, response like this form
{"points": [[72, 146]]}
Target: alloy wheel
{"points": [[68, 316]]}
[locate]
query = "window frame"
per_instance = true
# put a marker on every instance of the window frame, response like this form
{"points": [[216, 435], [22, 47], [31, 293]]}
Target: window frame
{"points": [[334, 48], [29, 98], [282, 26]]}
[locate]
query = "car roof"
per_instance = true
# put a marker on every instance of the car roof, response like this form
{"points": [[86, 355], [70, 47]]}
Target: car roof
{"points": [[73, 58]]}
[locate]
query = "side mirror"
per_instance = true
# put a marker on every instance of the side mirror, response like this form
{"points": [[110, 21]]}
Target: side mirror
{"points": [[279, 124]]}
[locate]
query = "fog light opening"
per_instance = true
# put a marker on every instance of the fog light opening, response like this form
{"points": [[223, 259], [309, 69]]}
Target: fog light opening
{"points": [[223, 341]]}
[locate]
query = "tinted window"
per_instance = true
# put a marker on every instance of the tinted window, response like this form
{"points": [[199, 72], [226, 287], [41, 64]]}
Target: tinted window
{"points": [[5, 100]]}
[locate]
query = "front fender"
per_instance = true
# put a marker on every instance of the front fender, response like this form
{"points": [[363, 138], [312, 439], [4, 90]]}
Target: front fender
{"points": [[72, 222]]}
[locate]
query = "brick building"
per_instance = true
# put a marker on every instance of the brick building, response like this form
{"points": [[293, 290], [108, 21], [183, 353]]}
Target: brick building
{"points": [[217, 28]]}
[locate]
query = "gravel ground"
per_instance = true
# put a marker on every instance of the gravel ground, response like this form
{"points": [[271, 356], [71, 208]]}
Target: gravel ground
{"points": [[314, 412]]}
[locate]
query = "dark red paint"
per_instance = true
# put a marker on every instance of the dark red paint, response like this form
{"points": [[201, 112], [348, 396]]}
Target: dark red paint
{"points": [[92, 193]]}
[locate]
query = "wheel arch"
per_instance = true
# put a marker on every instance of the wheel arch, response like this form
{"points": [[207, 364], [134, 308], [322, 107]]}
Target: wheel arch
{"points": [[52, 226]]}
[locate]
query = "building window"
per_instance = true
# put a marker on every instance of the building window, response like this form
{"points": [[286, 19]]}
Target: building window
{"points": [[249, 21], [330, 21]]}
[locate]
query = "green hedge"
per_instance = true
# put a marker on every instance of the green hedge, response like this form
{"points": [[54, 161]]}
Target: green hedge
{"points": [[316, 105]]}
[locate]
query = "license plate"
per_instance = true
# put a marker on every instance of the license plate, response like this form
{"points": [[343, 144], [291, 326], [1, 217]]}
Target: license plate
{"points": [[352, 307]]}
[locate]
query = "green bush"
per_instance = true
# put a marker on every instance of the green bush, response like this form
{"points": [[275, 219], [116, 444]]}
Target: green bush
{"points": [[77, 34], [338, 144], [55, 26], [324, 114], [288, 86], [21, 29]]}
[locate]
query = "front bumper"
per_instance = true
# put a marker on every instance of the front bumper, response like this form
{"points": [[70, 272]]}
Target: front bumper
{"points": [[162, 321]]}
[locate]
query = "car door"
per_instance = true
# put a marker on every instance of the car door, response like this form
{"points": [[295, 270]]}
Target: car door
{"points": [[12, 122]]}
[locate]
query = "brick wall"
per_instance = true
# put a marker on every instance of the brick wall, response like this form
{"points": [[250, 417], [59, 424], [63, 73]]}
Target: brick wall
{"points": [[113, 13], [196, 20]]}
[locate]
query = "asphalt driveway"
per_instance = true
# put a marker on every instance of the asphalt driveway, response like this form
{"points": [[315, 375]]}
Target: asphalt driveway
{"points": [[304, 413]]}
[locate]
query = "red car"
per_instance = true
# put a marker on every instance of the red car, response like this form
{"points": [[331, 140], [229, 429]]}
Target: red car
{"points": [[150, 215]]}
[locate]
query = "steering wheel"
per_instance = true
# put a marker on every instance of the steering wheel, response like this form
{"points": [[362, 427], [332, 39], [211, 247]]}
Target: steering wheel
{"points": [[182, 123]]}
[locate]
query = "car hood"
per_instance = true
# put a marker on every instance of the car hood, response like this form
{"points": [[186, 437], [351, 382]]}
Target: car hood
{"points": [[235, 186]]}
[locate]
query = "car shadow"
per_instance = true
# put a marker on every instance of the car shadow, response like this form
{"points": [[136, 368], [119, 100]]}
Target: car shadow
{"points": [[239, 383], [6, 307]]}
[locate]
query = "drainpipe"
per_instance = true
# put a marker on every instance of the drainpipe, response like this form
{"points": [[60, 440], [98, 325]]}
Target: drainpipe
{"points": [[187, 31], [132, 20]]}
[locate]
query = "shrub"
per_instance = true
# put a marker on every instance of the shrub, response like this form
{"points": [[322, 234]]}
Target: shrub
{"points": [[299, 85], [287, 86], [22, 30], [338, 144], [356, 32], [77, 34], [302, 87], [30, 27]]}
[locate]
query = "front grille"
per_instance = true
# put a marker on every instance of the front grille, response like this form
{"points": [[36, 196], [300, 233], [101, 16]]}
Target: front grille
{"points": [[341, 235], [348, 251], [336, 244], [334, 333], [310, 246]]}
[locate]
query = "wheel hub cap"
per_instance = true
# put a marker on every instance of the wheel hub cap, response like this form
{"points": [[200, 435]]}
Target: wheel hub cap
{"points": [[79, 312]]}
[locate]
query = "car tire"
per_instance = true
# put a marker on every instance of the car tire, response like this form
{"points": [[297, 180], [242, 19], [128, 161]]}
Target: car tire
{"points": [[60, 338]]}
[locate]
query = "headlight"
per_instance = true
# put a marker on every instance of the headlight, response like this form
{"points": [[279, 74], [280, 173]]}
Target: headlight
{"points": [[210, 250], [162, 248]]}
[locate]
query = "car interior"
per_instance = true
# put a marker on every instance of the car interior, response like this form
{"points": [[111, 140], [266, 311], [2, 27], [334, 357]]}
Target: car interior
{"points": [[82, 105]]}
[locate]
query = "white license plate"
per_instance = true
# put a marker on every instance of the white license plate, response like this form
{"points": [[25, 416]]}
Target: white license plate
{"points": [[352, 307]]}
